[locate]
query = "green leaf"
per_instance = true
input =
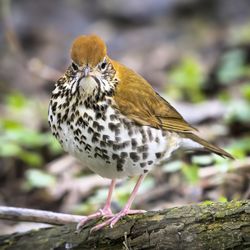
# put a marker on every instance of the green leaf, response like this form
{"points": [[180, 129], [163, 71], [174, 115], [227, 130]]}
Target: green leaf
{"points": [[222, 199], [31, 158], [238, 111], [39, 179], [173, 166], [191, 173], [9, 149], [16, 100], [186, 79], [245, 90], [53, 144], [202, 159], [232, 66], [240, 148]]}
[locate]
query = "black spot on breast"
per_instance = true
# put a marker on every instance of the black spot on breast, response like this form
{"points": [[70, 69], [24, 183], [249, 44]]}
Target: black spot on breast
{"points": [[59, 116], [130, 131], [72, 117], [119, 162], [90, 119], [109, 101], [145, 171], [100, 128], [112, 117], [115, 156], [124, 154], [90, 130], [76, 138], [116, 147], [96, 154], [144, 155], [125, 144], [87, 147], [103, 144], [126, 123], [79, 121], [143, 164], [150, 162], [95, 137], [115, 128], [142, 148], [164, 133], [134, 156], [95, 124], [112, 126], [119, 165], [105, 157], [150, 136], [53, 107], [77, 132], [83, 137], [105, 138], [118, 139], [98, 115], [158, 155], [134, 143]]}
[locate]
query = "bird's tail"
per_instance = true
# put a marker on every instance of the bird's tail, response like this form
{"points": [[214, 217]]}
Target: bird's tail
{"points": [[207, 145]]}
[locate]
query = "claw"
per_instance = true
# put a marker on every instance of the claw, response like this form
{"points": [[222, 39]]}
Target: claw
{"points": [[105, 212], [115, 218]]}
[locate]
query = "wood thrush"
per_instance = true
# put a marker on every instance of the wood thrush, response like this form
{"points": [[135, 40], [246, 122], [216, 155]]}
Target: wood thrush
{"points": [[111, 119]]}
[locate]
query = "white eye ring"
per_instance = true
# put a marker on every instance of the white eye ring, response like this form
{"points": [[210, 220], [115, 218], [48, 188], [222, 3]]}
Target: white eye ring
{"points": [[103, 65]]}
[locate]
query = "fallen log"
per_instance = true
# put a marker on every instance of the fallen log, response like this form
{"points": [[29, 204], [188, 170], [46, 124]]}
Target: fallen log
{"points": [[203, 226]]}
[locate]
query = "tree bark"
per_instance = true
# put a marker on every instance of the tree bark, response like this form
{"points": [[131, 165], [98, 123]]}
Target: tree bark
{"points": [[203, 226]]}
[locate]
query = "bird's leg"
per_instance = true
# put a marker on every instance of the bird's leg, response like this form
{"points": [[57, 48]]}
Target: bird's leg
{"points": [[104, 212], [125, 211]]}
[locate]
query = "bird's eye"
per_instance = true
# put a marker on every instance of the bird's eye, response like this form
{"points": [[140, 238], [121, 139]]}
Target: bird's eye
{"points": [[74, 66], [103, 65]]}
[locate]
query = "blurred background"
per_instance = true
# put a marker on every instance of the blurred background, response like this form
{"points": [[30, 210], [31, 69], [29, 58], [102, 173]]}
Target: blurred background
{"points": [[196, 53]]}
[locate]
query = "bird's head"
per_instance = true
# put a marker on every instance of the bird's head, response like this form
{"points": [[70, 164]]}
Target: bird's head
{"points": [[92, 70]]}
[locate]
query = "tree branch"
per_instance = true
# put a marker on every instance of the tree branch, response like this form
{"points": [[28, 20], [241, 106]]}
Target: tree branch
{"points": [[203, 226], [25, 214]]}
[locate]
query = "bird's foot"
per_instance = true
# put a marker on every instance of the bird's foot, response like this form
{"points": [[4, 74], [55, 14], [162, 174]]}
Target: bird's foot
{"points": [[104, 213], [115, 218]]}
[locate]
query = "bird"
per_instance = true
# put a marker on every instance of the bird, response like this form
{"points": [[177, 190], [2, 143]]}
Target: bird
{"points": [[112, 120]]}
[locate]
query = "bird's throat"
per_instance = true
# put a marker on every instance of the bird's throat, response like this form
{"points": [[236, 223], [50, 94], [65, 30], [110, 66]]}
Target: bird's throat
{"points": [[88, 86]]}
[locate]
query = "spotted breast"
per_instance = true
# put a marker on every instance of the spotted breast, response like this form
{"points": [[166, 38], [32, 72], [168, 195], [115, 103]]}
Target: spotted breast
{"points": [[102, 138]]}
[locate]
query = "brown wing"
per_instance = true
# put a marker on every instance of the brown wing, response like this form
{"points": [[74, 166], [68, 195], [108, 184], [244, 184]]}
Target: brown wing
{"points": [[136, 99]]}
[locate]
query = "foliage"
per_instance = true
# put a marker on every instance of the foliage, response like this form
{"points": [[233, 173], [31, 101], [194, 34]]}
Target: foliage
{"points": [[185, 80], [36, 178], [19, 138], [232, 66]]}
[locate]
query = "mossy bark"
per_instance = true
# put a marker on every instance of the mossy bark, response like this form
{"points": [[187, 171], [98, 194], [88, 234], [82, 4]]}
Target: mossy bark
{"points": [[202, 226]]}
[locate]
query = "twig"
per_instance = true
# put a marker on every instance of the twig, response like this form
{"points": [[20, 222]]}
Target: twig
{"points": [[25, 214]]}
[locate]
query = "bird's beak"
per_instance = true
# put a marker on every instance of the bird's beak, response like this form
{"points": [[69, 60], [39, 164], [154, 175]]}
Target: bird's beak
{"points": [[86, 71]]}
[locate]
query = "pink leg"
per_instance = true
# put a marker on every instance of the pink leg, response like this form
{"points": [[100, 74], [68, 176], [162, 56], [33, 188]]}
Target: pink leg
{"points": [[126, 210], [104, 212]]}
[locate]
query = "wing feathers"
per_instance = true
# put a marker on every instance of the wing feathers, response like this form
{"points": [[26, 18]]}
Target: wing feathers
{"points": [[137, 100]]}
